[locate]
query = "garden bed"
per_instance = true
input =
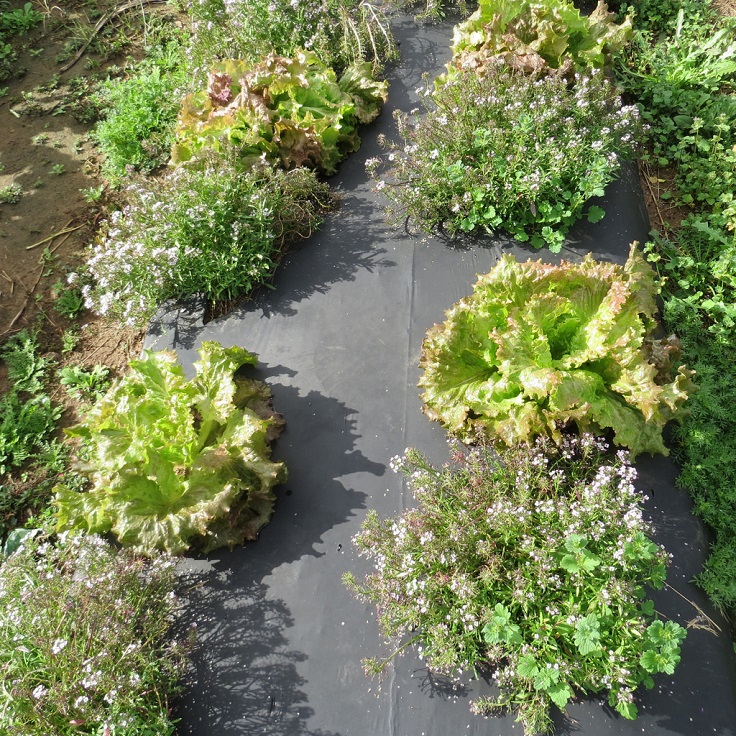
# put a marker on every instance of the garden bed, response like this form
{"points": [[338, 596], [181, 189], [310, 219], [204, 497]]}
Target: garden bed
{"points": [[338, 341]]}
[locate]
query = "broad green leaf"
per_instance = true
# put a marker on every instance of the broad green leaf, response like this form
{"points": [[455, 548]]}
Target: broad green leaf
{"points": [[15, 540], [595, 214], [214, 384], [627, 710], [501, 629], [527, 667], [587, 633], [560, 694], [665, 634], [570, 563]]}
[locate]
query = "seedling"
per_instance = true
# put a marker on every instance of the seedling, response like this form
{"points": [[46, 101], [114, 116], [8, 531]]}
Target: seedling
{"points": [[11, 194], [93, 194], [69, 340], [69, 301]]}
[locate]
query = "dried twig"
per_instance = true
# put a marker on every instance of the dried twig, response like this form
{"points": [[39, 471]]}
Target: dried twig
{"points": [[655, 199], [66, 229], [702, 620], [25, 303]]}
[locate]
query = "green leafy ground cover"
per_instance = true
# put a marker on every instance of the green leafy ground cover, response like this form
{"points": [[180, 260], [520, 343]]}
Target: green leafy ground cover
{"points": [[682, 68], [28, 424]]}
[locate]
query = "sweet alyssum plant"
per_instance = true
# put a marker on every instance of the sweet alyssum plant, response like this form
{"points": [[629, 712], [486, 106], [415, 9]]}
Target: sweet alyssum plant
{"points": [[529, 566], [507, 151], [212, 229], [86, 645], [538, 346], [171, 462]]}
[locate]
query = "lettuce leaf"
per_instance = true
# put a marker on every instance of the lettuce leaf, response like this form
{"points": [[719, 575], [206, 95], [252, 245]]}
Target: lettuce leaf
{"points": [[537, 347], [172, 462], [532, 35], [288, 111]]}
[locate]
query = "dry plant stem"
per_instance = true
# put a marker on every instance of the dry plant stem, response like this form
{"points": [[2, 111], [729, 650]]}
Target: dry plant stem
{"points": [[9, 280], [63, 230], [101, 24], [66, 232], [25, 303], [695, 623], [645, 174]]}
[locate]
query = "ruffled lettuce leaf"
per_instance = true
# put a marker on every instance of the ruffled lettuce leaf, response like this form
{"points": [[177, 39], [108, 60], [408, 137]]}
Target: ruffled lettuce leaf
{"points": [[288, 111], [532, 35], [173, 462], [537, 347]]}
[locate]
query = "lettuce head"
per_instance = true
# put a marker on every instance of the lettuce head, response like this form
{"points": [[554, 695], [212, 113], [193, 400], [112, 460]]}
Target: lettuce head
{"points": [[172, 462], [289, 111], [538, 347], [534, 35]]}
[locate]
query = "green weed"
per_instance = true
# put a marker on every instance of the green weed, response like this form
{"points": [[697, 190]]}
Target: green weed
{"points": [[85, 384], [11, 194], [139, 113], [682, 68]]}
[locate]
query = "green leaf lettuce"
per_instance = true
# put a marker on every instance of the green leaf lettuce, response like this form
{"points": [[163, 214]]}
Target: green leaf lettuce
{"points": [[172, 461], [537, 347], [288, 111]]}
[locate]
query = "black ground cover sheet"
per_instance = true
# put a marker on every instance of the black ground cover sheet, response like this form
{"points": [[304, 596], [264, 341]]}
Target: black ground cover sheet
{"points": [[281, 639]]}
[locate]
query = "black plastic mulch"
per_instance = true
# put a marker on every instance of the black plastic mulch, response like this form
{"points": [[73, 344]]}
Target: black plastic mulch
{"points": [[339, 340]]}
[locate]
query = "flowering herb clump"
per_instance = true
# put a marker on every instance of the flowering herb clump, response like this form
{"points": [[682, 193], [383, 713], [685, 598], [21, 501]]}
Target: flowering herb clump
{"points": [[340, 32], [508, 151], [211, 229], [529, 565], [85, 640]]}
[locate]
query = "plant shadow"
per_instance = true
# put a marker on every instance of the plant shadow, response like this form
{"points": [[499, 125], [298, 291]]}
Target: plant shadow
{"points": [[245, 676]]}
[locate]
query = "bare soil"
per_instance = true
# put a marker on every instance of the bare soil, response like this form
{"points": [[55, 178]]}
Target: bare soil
{"points": [[45, 119]]}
